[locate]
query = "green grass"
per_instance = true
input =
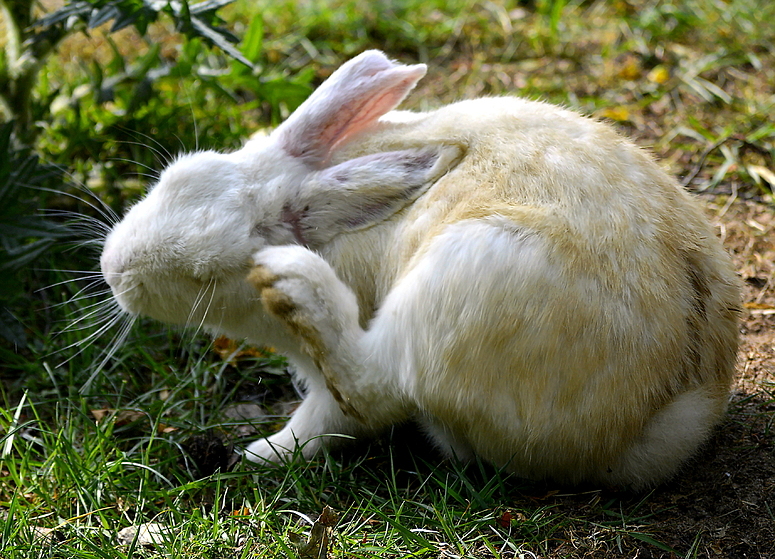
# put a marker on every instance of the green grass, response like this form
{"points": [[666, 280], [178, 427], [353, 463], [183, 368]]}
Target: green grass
{"points": [[690, 78]]}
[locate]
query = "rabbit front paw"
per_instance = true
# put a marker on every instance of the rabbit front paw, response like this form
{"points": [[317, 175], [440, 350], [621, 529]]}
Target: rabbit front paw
{"points": [[301, 290]]}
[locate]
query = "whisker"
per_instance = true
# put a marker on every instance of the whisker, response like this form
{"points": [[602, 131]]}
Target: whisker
{"points": [[75, 298], [107, 313], [72, 214], [151, 177], [104, 315], [88, 243], [93, 279], [214, 283], [80, 224], [182, 144], [162, 150], [197, 301], [96, 276], [110, 306], [82, 295], [118, 315], [193, 119], [107, 213], [196, 365], [162, 157], [85, 273], [153, 172], [105, 210], [115, 344], [93, 231], [188, 87]]}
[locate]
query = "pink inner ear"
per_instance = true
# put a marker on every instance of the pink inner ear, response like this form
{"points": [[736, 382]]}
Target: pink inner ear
{"points": [[361, 117], [351, 100]]}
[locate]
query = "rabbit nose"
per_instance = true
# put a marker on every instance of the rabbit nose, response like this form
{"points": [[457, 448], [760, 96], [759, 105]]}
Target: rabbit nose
{"points": [[112, 266]]}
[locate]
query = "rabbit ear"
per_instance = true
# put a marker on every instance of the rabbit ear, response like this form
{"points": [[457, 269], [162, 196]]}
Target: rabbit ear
{"points": [[354, 97], [362, 192]]}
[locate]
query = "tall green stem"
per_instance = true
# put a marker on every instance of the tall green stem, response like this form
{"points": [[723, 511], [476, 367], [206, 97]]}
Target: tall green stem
{"points": [[14, 20], [19, 73]]}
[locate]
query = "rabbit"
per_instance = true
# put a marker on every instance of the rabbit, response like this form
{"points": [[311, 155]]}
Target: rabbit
{"points": [[521, 280]]}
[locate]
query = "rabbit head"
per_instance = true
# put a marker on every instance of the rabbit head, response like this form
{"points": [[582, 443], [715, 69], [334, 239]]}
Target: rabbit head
{"points": [[181, 254]]}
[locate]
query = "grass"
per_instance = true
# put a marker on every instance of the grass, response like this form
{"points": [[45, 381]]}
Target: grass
{"points": [[83, 480], [89, 452]]}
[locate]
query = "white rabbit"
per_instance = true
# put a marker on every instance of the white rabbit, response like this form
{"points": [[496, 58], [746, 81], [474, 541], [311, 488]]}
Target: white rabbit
{"points": [[523, 281]]}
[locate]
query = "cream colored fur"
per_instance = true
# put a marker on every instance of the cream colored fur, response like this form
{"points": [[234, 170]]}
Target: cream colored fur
{"points": [[521, 279]]}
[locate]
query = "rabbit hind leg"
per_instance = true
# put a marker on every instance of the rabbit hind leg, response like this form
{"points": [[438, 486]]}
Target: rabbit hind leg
{"points": [[670, 438]]}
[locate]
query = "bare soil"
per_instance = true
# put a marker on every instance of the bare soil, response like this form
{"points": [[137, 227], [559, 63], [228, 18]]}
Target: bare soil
{"points": [[728, 493]]}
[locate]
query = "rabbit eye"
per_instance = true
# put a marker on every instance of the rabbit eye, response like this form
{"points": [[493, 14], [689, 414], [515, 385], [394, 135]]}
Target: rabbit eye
{"points": [[260, 231]]}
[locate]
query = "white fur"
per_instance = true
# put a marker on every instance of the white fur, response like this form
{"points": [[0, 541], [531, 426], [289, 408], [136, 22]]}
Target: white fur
{"points": [[524, 282]]}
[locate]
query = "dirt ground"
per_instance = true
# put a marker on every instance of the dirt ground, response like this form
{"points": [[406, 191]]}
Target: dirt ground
{"points": [[728, 493]]}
